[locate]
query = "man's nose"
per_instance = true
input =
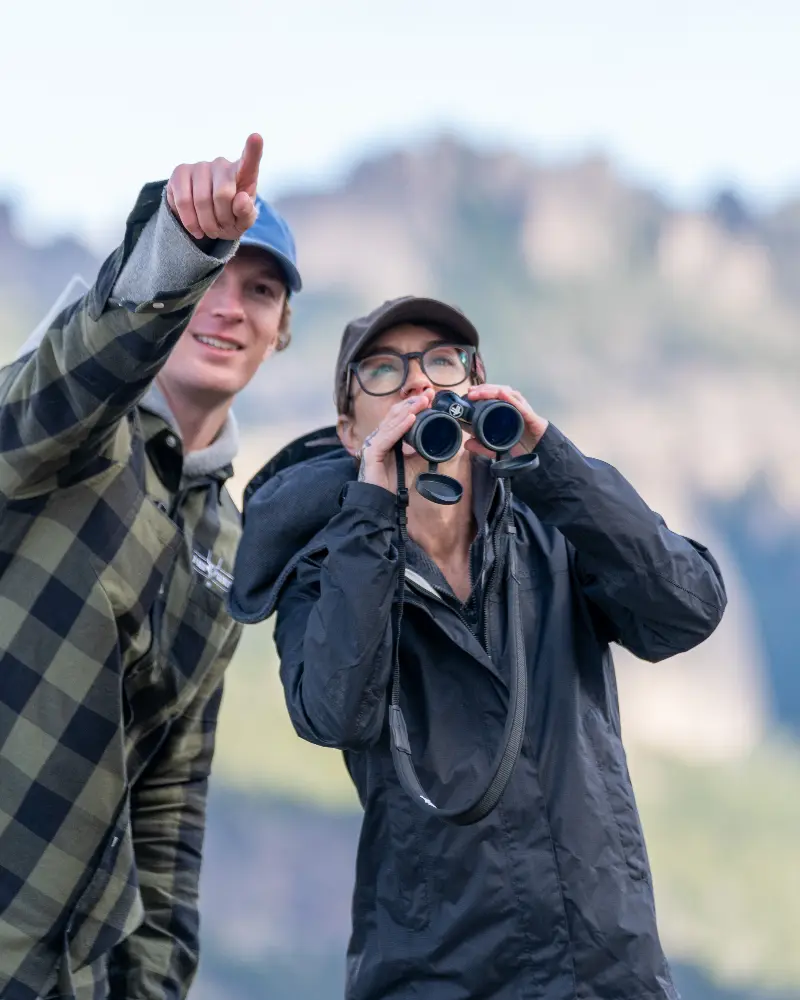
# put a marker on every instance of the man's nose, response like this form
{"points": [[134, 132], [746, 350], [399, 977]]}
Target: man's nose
{"points": [[417, 380], [226, 300]]}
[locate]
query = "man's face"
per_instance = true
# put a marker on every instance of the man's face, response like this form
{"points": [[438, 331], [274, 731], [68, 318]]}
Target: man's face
{"points": [[235, 326]]}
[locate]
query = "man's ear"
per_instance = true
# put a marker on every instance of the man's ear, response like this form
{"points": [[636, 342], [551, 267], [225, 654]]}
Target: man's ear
{"points": [[345, 427]]}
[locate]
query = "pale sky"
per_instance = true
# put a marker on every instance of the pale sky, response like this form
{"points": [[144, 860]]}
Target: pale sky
{"points": [[97, 98]]}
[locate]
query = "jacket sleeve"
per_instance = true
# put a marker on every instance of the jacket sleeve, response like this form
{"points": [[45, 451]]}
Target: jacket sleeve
{"points": [[63, 396], [658, 593], [333, 629], [168, 817]]}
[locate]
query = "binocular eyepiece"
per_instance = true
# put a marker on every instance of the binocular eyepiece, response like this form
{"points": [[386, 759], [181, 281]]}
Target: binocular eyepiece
{"points": [[436, 433], [436, 436]]}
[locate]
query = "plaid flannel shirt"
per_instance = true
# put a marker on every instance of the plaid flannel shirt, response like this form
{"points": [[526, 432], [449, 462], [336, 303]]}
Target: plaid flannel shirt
{"points": [[113, 641]]}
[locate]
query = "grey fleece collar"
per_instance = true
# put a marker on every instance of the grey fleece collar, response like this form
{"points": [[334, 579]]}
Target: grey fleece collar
{"points": [[220, 453]]}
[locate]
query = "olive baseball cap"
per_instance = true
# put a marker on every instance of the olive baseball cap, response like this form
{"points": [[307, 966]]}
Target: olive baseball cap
{"points": [[408, 309]]}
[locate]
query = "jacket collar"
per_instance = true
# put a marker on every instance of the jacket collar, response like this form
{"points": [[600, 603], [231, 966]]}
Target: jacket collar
{"points": [[164, 446]]}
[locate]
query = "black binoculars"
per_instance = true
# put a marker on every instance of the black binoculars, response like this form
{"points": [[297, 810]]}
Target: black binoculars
{"points": [[437, 432]]}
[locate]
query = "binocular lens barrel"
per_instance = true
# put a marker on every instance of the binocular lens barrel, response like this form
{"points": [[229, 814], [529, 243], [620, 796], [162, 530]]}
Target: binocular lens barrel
{"points": [[436, 433], [435, 436], [497, 425]]}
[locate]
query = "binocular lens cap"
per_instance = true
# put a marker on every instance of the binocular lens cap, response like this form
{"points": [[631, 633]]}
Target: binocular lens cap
{"points": [[439, 488]]}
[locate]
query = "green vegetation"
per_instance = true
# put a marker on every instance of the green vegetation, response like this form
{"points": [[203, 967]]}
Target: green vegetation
{"points": [[257, 746], [725, 847]]}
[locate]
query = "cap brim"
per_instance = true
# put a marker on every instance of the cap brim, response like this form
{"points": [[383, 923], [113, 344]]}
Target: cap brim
{"points": [[293, 278], [419, 311]]}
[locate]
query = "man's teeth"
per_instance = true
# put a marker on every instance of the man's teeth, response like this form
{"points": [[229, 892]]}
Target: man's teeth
{"points": [[223, 345]]}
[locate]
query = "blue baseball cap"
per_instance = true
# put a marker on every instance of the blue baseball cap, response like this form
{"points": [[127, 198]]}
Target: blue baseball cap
{"points": [[271, 232]]}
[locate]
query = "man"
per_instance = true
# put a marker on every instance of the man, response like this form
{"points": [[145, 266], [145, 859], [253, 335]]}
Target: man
{"points": [[117, 538], [514, 865]]}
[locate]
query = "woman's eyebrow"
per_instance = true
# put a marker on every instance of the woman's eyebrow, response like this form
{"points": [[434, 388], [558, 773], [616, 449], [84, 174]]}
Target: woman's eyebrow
{"points": [[372, 351], [393, 350]]}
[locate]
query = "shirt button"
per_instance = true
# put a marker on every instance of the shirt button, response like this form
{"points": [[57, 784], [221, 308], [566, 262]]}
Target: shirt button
{"points": [[172, 441]]}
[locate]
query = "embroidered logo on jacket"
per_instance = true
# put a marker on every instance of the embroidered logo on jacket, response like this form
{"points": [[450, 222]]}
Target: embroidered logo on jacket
{"points": [[212, 571]]}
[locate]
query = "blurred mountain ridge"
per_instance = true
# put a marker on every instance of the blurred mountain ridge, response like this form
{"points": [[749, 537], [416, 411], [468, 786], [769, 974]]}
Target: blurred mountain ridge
{"points": [[663, 340]]}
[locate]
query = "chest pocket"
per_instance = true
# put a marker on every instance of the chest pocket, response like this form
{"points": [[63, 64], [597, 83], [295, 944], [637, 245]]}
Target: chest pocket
{"points": [[189, 625]]}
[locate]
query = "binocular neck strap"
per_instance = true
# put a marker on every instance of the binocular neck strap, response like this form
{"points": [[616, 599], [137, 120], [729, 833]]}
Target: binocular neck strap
{"points": [[508, 754]]}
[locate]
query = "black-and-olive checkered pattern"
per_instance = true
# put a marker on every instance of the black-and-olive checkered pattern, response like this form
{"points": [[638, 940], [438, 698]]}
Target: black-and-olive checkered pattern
{"points": [[113, 645]]}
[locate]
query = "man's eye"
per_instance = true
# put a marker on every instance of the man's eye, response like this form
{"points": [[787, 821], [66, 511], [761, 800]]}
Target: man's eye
{"points": [[262, 288]]}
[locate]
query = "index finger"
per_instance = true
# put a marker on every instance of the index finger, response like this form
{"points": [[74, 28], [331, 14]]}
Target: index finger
{"points": [[396, 422], [414, 403], [249, 162]]}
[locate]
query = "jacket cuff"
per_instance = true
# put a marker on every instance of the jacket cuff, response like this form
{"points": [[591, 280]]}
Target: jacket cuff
{"points": [[553, 453], [165, 262], [551, 448], [370, 497]]}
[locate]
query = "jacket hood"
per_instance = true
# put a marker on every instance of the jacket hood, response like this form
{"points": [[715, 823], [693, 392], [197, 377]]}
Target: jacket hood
{"points": [[216, 458], [286, 506]]}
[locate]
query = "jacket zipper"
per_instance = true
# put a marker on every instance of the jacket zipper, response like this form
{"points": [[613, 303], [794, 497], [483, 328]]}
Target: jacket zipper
{"points": [[440, 597], [156, 615], [487, 642], [482, 635]]}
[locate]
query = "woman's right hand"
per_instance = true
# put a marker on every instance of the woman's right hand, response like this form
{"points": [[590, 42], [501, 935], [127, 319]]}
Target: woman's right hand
{"points": [[378, 448]]}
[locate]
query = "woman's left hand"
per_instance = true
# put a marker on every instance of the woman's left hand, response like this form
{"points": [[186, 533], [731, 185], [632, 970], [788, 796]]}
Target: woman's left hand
{"points": [[535, 426]]}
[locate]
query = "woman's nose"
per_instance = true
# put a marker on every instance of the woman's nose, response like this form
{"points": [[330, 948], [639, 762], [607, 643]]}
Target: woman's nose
{"points": [[417, 380]]}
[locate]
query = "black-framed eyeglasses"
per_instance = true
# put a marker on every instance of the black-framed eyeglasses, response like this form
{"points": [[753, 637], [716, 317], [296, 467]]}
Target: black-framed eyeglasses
{"points": [[385, 372]]}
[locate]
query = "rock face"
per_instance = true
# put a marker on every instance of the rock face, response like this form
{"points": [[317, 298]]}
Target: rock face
{"points": [[663, 341]]}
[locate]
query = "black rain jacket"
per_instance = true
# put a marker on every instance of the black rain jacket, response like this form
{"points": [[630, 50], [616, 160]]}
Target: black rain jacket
{"points": [[549, 897]]}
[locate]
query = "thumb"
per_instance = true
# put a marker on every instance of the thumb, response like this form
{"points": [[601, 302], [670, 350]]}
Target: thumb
{"points": [[249, 162]]}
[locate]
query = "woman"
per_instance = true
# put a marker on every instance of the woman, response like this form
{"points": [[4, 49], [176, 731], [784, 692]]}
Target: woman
{"points": [[548, 896]]}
